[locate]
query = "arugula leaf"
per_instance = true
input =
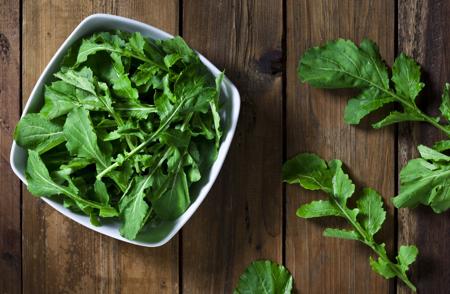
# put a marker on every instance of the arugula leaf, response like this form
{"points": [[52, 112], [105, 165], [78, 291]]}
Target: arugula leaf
{"points": [[445, 105], [318, 208], [342, 64], [81, 137], [133, 207], [141, 122], [406, 77], [341, 234], [371, 212], [426, 181], [37, 133], [120, 80], [313, 173], [172, 197], [41, 184], [265, 276]]}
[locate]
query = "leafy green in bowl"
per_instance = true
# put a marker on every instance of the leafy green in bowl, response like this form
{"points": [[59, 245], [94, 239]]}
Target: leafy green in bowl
{"points": [[128, 133]]}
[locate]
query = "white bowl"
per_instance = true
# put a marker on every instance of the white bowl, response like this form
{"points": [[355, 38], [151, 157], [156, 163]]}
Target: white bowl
{"points": [[230, 99]]}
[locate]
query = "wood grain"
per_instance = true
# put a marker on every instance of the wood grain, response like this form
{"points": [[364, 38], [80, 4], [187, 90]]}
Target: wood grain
{"points": [[10, 227], [60, 256], [314, 123], [423, 33], [241, 219]]}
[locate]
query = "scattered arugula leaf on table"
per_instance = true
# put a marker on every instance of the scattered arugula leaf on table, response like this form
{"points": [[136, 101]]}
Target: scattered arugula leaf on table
{"points": [[265, 276], [366, 219], [342, 64], [123, 128], [425, 180]]}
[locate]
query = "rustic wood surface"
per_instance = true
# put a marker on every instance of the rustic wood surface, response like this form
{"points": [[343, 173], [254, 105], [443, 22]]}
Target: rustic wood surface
{"points": [[423, 32], [10, 233], [314, 123], [249, 214]]}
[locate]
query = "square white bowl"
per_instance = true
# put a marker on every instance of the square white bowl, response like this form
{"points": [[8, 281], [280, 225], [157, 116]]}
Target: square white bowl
{"points": [[230, 99]]}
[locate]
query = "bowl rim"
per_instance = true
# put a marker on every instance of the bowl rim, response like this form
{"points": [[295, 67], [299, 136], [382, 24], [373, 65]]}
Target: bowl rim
{"points": [[233, 96]]}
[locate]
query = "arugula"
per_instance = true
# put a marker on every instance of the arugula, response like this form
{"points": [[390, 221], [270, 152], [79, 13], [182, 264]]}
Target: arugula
{"points": [[425, 180], [265, 276], [342, 64], [120, 131], [366, 219], [36, 132]]}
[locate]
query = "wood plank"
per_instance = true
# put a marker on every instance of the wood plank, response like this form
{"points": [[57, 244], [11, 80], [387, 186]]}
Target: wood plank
{"points": [[10, 227], [241, 219], [423, 34], [314, 122], [61, 256]]}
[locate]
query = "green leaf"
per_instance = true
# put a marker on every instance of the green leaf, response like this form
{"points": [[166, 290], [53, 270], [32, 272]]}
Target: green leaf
{"points": [[431, 154], [343, 187], [128, 108], [41, 184], [442, 146], [101, 192], [406, 77], [81, 137], [265, 276], [135, 109], [121, 83], [145, 74], [406, 256], [318, 209], [72, 166], [425, 182], [83, 79], [371, 211], [396, 117], [93, 45], [363, 104], [309, 171], [137, 43], [175, 199], [133, 207], [179, 47], [341, 64], [214, 105], [341, 234], [60, 98], [365, 220], [382, 267], [37, 133], [445, 104]]}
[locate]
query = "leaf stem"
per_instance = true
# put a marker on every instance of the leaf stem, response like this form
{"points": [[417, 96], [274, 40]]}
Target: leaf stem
{"points": [[368, 240], [405, 103], [161, 128], [414, 108]]}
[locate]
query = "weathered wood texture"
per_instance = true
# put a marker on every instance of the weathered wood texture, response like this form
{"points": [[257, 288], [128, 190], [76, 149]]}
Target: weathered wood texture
{"points": [[423, 33], [314, 123], [241, 220], [10, 228], [60, 256]]}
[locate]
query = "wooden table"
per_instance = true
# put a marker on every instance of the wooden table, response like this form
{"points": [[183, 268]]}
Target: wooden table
{"points": [[249, 214]]}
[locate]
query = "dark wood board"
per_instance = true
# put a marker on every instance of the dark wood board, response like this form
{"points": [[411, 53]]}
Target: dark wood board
{"points": [[314, 123], [241, 219], [248, 214], [423, 33], [10, 196], [59, 255]]}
